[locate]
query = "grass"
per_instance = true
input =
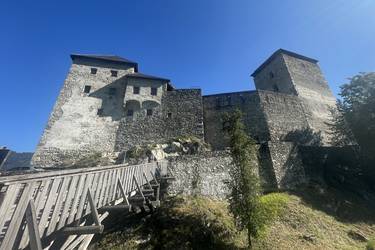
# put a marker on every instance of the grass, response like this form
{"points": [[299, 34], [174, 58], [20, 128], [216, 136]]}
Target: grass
{"points": [[294, 222]]}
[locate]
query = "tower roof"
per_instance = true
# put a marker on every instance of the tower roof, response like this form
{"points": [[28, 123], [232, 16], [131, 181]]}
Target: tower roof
{"points": [[107, 58], [278, 52], [144, 76]]}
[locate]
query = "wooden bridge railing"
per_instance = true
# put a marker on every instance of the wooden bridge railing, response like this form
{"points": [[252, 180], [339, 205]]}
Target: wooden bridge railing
{"points": [[35, 206]]}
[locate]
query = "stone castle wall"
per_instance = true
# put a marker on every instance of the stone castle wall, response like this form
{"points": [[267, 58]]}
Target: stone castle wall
{"points": [[75, 128], [180, 114]]}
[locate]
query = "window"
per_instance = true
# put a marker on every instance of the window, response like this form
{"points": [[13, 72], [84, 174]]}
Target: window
{"points": [[272, 75], [154, 91], [100, 112], [87, 89], [94, 70], [136, 90], [275, 88], [169, 115], [114, 73], [130, 112], [149, 112], [112, 91]]}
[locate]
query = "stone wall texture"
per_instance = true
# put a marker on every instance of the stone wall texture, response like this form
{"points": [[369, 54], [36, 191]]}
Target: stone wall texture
{"points": [[204, 174]]}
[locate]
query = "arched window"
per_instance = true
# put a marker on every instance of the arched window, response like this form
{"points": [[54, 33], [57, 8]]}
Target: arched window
{"points": [[131, 107]]}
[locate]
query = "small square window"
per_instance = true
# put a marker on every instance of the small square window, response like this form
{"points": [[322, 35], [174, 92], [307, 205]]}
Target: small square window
{"points": [[114, 73], [87, 89], [112, 91], [94, 70], [154, 91], [130, 112], [100, 112], [169, 115], [149, 112], [272, 75], [136, 90]]}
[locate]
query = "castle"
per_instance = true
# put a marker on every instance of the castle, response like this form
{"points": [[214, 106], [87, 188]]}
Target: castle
{"points": [[107, 105]]}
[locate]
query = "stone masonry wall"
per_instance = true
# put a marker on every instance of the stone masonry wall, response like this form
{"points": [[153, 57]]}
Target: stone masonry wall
{"points": [[205, 174], [180, 114], [313, 91], [76, 127], [216, 105]]}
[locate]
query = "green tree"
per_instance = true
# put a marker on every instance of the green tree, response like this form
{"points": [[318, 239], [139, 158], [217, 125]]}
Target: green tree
{"points": [[244, 184], [356, 117]]}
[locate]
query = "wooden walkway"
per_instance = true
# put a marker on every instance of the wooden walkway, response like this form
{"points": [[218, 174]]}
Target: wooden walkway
{"points": [[36, 209]]}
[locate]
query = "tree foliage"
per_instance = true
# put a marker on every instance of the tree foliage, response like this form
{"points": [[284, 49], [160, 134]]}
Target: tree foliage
{"points": [[356, 118], [244, 184]]}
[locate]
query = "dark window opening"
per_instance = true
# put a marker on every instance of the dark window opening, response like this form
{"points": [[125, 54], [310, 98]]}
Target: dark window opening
{"points": [[94, 70], [272, 75], [114, 73], [130, 112], [100, 112], [226, 125], [149, 112], [112, 91], [218, 103], [169, 115], [228, 101], [87, 89], [136, 90], [154, 91], [275, 88]]}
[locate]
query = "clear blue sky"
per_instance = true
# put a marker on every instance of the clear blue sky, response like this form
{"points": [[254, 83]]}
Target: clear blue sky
{"points": [[212, 44]]}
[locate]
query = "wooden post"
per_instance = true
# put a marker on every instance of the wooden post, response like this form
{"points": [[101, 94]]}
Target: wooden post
{"points": [[35, 243]]}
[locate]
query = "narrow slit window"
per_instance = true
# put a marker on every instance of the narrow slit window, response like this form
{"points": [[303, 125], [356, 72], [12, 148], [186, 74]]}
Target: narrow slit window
{"points": [[94, 70], [169, 115], [149, 112], [87, 89], [100, 112], [136, 90], [272, 75], [130, 112], [154, 91], [114, 73], [275, 88]]}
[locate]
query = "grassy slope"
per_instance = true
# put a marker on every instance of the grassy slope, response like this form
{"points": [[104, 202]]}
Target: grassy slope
{"points": [[313, 219]]}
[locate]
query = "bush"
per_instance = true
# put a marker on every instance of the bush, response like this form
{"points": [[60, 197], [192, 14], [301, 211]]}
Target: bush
{"points": [[270, 207], [370, 245]]}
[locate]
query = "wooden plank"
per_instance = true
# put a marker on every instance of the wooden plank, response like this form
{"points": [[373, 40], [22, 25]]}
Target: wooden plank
{"points": [[68, 200], [34, 237], [108, 193], [83, 196], [39, 196], [17, 218], [57, 210], [94, 211], [82, 230], [49, 203], [77, 195], [96, 189], [9, 199], [139, 188], [122, 191], [103, 190], [147, 182]]}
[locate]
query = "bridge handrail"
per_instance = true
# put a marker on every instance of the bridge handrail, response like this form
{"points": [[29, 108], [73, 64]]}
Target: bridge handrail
{"points": [[63, 197]]}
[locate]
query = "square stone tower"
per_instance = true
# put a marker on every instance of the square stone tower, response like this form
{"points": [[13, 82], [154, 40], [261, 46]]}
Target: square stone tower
{"points": [[290, 73]]}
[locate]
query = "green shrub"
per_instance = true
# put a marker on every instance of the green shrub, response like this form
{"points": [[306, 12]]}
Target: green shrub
{"points": [[270, 207], [370, 245]]}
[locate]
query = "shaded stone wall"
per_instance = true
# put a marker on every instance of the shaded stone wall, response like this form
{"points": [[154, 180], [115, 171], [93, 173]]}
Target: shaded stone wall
{"points": [[216, 105], [76, 126], [180, 114]]}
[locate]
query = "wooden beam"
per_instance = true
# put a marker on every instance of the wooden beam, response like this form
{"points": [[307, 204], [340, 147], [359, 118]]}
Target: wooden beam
{"points": [[82, 230], [34, 237]]}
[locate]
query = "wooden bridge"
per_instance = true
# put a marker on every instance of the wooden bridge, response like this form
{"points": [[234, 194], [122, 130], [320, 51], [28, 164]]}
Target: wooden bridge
{"points": [[37, 209]]}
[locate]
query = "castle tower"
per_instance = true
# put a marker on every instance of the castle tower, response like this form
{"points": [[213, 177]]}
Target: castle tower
{"points": [[290, 73]]}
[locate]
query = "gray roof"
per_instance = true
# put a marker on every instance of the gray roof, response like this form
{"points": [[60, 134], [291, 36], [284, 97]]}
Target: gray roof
{"points": [[108, 58], [140, 75], [278, 52]]}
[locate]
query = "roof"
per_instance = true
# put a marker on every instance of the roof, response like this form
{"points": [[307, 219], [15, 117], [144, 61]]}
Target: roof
{"points": [[144, 76], [108, 58], [140, 75], [278, 52]]}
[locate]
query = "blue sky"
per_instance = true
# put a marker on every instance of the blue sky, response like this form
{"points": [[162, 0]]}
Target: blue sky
{"points": [[214, 45]]}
